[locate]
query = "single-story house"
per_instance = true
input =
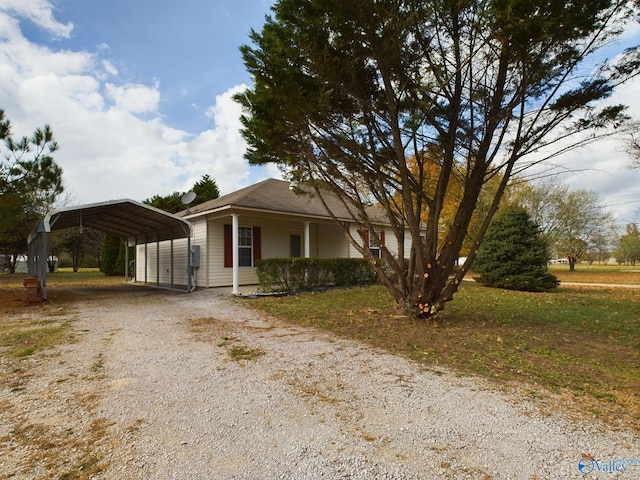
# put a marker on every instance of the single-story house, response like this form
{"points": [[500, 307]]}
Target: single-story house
{"points": [[266, 220]]}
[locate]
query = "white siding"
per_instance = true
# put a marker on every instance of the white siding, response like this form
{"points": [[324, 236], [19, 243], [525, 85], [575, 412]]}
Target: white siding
{"points": [[390, 242], [218, 275], [331, 242], [147, 266], [326, 241], [275, 235], [199, 237]]}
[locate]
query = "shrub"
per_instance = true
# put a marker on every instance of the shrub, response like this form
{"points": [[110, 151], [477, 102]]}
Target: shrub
{"points": [[287, 274], [514, 255], [112, 256]]}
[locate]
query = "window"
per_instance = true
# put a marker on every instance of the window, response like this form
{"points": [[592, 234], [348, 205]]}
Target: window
{"points": [[249, 246], [375, 242], [245, 246], [295, 242]]}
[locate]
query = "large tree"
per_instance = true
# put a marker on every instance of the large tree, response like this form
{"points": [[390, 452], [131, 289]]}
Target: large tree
{"points": [[628, 250], [30, 181], [345, 92], [572, 221]]}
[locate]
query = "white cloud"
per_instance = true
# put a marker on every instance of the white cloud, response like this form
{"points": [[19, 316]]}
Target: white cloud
{"points": [[38, 12], [219, 151], [113, 141], [109, 68], [134, 98], [605, 166]]}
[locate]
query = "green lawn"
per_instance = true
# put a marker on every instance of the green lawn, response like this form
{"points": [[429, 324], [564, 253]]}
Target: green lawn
{"points": [[598, 273]]}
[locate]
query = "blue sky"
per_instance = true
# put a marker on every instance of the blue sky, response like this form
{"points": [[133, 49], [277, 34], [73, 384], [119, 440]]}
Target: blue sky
{"points": [[138, 94]]}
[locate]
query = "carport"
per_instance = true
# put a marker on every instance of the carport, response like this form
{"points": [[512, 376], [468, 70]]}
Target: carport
{"points": [[134, 222]]}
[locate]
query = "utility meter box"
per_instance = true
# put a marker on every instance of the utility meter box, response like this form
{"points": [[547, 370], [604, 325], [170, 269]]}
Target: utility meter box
{"points": [[195, 256]]}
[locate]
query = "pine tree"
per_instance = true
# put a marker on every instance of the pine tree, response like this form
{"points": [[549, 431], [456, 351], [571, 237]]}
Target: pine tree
{"points": [[112, 256], [514, 255]]}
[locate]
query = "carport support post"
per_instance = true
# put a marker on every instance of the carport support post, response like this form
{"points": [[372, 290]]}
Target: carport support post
{"points": [[189, 266], [146, 260], [234, 246], [43, 251], [157, 264], [171, 266]]}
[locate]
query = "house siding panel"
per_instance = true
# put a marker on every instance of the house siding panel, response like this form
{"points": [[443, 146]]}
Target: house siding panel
{"points": [[390, 242], [331, 242], [325, 241], [147, 268], [199, 230]]}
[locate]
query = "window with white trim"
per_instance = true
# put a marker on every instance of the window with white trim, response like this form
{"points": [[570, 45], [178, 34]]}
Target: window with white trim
{"points": [[375, 242], [245, 246]]}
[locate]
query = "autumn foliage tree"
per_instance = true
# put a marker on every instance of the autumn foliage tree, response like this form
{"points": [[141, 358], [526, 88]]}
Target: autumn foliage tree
{"points": [[346, 92], [452, 198], [571, 220]]}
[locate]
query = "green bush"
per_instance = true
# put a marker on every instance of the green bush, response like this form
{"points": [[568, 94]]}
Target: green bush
{"points": [[287, 274], [514, 255], [112, 256]]}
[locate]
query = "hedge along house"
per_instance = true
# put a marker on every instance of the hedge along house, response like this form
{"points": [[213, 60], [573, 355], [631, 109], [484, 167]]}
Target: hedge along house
{"points": [[265, 220]]}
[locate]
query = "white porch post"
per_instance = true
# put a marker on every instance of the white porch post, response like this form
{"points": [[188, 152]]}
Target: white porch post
{"points": [[307, 240], [234, 246]]}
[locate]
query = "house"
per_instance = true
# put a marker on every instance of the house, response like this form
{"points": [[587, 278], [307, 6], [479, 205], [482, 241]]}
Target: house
{"points": [[230, 233]]}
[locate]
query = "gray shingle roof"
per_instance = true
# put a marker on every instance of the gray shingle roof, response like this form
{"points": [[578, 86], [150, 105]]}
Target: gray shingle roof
{"points": [[275, 195]]}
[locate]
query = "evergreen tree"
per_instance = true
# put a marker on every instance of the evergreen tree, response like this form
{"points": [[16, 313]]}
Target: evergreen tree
{"points": [[30, 182], [205, 189], [112, 258], [514, 255], [352, 97]]}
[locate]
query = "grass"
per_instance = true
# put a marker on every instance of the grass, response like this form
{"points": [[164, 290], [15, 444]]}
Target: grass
{"points": [[22, 339], [577, 348], [12, 292], [585, 273]]}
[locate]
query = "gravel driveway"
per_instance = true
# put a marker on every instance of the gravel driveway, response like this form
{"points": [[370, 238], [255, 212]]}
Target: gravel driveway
{"points": [[199, 387]]}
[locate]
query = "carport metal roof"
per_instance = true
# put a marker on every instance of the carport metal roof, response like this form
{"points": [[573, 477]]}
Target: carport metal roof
{"points": [[133, 221]]}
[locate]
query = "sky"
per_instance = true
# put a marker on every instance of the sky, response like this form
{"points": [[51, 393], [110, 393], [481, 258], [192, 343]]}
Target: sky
{"points": [[139, 94]]}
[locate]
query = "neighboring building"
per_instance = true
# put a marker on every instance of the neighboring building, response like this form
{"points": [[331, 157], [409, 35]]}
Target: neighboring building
{"points": [[21, 264], [270, 219]]}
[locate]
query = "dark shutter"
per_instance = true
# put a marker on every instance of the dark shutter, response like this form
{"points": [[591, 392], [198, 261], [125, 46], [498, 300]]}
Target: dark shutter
{"points": [[365, 235], [228, 247], [257, 245]]}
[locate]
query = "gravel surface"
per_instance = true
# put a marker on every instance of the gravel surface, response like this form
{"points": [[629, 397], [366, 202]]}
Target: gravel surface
{"points": [[165, 374]]}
